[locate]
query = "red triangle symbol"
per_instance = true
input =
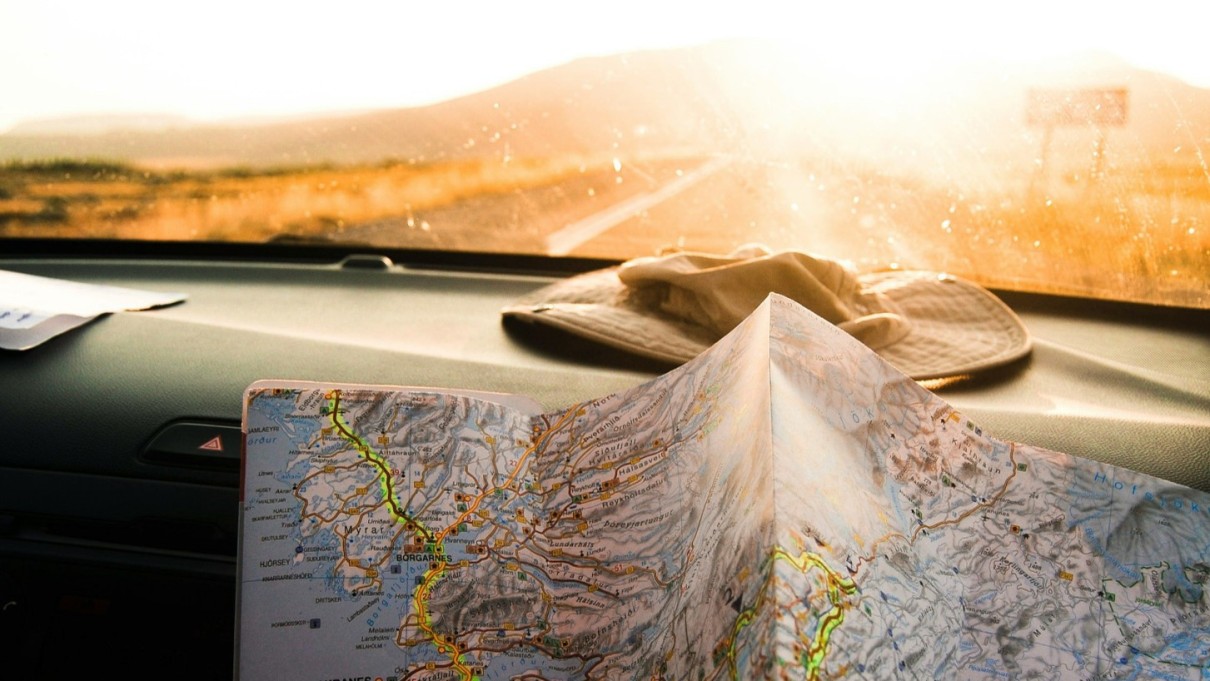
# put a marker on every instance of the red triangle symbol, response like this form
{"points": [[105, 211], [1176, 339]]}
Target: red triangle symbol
{"points": [[214, 444]]}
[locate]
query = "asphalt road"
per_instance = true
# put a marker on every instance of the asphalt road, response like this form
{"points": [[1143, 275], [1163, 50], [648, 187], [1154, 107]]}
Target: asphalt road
{"points": [[713, 204], [1008, 238]]}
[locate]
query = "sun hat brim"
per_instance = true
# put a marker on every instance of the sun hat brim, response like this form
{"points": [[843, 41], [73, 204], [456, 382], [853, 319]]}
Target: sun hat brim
{"points": [[957, 327]]}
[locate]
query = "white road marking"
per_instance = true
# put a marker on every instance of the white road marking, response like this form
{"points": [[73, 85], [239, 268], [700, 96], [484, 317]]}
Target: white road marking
{"points": [[565, 240]]}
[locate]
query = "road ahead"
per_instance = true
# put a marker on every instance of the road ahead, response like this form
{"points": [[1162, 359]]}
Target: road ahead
{"points": [[713, 204], [1002, 237]]}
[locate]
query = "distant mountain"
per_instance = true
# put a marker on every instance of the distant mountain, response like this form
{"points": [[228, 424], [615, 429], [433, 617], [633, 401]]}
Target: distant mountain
{"points": [[659, 100], [739, 96], [980, 109], [98, 124]]}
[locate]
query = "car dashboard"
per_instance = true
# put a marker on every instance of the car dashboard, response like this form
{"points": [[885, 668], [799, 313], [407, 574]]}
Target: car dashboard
{"points": [[119, 462]]}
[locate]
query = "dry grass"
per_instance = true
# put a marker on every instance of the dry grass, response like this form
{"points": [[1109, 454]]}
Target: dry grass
{"points": [[104, 200], [1139, 234], [1144, 233], [1136, 234]]}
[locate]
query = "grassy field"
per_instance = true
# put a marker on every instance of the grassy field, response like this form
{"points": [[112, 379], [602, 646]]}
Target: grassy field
{"points": [[1138, 234], [99, 199], [1142, 233], [1132, 235]]}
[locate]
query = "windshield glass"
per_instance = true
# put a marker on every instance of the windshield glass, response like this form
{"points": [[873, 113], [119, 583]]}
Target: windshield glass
{"points": [[1054, 147]]}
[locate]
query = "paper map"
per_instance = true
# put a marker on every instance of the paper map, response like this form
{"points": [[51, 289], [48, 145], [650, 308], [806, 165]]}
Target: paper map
{"points": [[786, 505], [35, 309]]}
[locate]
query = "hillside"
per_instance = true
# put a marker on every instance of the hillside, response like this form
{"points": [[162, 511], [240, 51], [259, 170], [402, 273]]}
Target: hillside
{"points": [[630, 103], [732, 97]]}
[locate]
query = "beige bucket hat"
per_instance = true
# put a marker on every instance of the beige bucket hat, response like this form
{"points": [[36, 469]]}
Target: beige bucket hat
{"points": [[671, 308]]}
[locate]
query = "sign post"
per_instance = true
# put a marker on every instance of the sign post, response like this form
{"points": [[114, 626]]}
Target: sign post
{"points": [[1099, 108]]}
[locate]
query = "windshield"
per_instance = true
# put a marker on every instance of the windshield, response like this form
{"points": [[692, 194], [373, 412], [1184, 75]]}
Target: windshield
{"points": [[1036, 146]]}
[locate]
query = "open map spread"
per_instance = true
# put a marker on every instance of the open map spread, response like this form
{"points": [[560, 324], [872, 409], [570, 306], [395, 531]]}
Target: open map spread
{"points": [[786, 505]]}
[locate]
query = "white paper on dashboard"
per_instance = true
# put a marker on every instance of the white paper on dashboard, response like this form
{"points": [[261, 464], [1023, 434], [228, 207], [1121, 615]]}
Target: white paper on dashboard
{"points": [[34, 309]]}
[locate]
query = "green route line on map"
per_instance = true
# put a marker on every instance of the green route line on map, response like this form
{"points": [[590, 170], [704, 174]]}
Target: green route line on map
{"points": [[435, 571], [838, 586], [745, 617], [373, 457], [420, 597]]}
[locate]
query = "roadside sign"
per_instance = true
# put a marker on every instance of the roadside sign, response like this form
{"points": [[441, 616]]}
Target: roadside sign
{"points": [[1089, 107], [1055, 107]]}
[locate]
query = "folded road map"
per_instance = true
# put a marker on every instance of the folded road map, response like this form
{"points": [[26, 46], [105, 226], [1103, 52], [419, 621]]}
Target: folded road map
{"points": [[786, 505]]}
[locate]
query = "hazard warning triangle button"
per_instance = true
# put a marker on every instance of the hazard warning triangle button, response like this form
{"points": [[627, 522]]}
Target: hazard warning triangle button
{"points": [[194, 443]]}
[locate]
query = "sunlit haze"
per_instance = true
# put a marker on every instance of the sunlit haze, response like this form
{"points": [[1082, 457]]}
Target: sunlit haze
{"points": [[230, 60]]}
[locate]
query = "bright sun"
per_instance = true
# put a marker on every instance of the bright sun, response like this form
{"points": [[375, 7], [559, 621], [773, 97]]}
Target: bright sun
{"points": [[144, 56]]}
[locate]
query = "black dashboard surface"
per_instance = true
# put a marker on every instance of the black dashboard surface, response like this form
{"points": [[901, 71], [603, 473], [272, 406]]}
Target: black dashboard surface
{"points": [[112, 556]]}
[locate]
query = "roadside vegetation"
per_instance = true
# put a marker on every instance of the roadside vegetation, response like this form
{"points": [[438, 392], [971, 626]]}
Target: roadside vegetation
{"points": [[1145, 228], [61, 198]]}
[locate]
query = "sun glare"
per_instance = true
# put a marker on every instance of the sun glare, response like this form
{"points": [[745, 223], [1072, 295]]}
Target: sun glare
{"points": [[253, 58], [879, 50]]}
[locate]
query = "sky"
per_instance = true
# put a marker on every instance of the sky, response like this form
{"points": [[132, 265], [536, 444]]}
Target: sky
{"points": [[237, 59]]}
